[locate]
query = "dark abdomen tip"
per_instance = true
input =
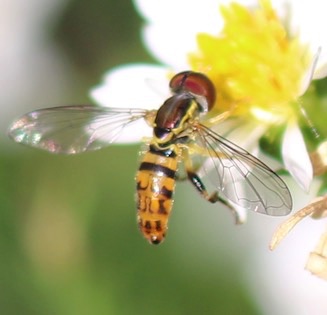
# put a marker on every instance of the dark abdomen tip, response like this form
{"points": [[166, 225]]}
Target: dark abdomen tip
{"points": [[155, 240]]}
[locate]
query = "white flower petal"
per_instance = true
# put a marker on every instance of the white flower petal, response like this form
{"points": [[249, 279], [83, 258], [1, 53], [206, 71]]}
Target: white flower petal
{"points": [[306, 80], [178, 10], [131, 87], [172, 27], [136, 132], [295, 156], [168, 45], [321, 69], [247, 135], [310, 30]]}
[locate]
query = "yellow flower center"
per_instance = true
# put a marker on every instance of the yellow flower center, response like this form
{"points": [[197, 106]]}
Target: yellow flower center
{"points": [[256, 66]]}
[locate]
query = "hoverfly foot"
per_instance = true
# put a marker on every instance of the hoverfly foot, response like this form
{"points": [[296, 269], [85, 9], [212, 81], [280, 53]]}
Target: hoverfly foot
{"points": [[237, 218]]}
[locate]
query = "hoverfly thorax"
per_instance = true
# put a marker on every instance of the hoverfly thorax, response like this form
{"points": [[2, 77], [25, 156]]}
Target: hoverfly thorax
{"points": [[172, 118]]}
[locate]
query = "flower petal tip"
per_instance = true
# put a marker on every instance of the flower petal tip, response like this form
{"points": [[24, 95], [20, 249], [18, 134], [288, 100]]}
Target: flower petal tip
{"points": [[296, 157]]}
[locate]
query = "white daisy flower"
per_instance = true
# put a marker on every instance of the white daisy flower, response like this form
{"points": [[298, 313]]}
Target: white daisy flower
{"points": [[260, 56]]}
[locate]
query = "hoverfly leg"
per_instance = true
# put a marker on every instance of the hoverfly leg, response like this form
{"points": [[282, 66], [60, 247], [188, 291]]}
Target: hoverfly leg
{"points": [[218, 119], [214, 197], [197, 183]]}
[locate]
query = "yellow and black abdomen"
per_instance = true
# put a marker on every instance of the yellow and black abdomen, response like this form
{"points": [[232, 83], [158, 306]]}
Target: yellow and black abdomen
{"points": [[155, 182]]}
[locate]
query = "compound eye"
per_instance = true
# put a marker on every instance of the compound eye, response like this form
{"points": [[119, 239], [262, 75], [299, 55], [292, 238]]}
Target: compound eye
{"points": [[197, 84]]}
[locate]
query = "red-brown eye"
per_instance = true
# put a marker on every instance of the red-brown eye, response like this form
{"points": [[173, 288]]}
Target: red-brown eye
{"points": [[195, 83]]}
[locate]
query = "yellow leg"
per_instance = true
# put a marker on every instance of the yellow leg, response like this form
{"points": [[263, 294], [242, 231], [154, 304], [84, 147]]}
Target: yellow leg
{"points": [[217, 119]]}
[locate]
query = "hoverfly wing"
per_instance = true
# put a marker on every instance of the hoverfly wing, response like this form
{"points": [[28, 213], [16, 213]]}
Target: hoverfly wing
{"points": [[73, 129], [242, 178]]}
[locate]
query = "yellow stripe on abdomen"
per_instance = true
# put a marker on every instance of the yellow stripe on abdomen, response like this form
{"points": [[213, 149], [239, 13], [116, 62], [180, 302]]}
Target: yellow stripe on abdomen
{"points": [[155, 187]]}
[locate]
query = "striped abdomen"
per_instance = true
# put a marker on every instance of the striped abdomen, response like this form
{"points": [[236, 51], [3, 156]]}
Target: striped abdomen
{"points": [[155, 187]]}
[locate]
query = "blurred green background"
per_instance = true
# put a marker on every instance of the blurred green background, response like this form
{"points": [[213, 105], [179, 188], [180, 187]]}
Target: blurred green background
{"points": [[69, 241]]}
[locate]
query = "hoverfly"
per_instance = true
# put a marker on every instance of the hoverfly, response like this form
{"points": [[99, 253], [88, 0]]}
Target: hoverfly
{"points": [[179, 131]]}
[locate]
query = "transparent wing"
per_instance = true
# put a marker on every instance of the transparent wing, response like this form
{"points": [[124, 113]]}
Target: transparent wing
{"points": [[73, 129], [242, 178]]}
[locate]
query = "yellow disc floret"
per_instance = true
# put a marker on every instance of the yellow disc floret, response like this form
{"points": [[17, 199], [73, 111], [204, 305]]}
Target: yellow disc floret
{"points": [[257, 68]]}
